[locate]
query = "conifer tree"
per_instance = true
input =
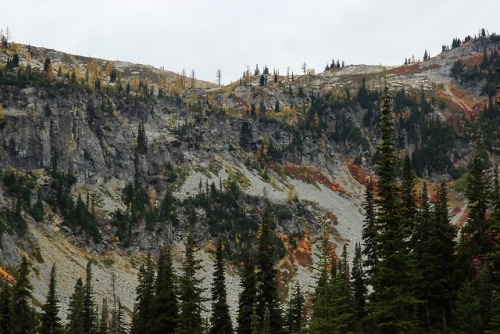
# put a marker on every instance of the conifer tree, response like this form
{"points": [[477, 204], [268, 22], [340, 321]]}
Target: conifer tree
{"points": [[190, 298], [295, 316], [343, 311], [220, 321], [467, 311], [267, 292], [51, 323], [246, 300], [164, 306], [22, 312], [75, 315], [104, 321], [321, 308], [408, 208], [359, 289], [477, 241], [144, 296], [391, 302], [88, 305], [6, 310], [370, 230]]}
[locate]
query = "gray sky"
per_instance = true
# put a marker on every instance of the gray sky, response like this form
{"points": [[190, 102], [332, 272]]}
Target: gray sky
{"points": [[232, 34]]}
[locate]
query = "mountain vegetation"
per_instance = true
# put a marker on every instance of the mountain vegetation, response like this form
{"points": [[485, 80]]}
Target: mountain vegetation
{"points": [[254, 187]]}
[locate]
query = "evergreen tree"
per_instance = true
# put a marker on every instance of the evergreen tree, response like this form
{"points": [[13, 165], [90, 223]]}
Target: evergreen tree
{"points": [[267, 292], [391, 302], [104, 322], [343, 311], [190, 321], [321, 308], [467, 311], [6, 310], [22, 312], [143, 299], [88, 305], [246, 300], [370, 230], [408, 208], [142, 140], [75, 315], [359, 289], [295, 316], [164, 306], [477, 239], [51, 323], [220, 321]]}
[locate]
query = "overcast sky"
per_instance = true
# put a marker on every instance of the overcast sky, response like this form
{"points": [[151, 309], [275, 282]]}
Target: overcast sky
{"points": [[206, 35]]}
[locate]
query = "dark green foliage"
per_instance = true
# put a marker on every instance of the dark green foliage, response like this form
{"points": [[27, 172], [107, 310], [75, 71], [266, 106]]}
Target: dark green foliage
{"points": [[477, 238], [220, 321], [22, 312], [391, 304], [370, 230], [75, 323], [80, 217], [466, 311], [190, 299], [246, 302], [142, 140], [433, 249], [104, 321], [164, 307], [144, 297], [266, 300], [226, 214], [6, 316], [88, 304], [50, 321], [296, 311], [358, 287]]}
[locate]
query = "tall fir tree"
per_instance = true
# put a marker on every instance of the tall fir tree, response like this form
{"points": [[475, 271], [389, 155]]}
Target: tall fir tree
{"points": [[321, 321], [408, 206], [22, 313], [104, 321], [164, 308], [370, 230], [89, 305], [75, 323], [190, 291], [296, 311], [391, 302], [476, 241], [267, 292], [343, 310], [246, 301], [466, 310], [50, 320], [358, 287], [220, 321], [6, 310], [144, 297]]}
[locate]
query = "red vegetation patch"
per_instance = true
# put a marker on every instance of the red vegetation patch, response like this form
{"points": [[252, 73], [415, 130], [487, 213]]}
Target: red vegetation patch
{"points": [[301, 254], [313, 176], [473, 60], [461, 221], [332, 217], [5, 276], [358, 174], [432, 66], [455, 211], [405, 70]]}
